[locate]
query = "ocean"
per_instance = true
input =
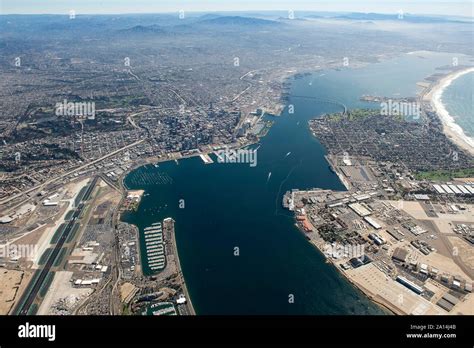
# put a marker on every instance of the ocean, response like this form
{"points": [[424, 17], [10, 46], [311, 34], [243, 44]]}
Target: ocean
{"points": [[458, 100], [239, 249]]}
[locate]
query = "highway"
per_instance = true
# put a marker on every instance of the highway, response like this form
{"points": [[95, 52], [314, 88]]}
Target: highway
{"points": [[6, 200], [32, 290]]}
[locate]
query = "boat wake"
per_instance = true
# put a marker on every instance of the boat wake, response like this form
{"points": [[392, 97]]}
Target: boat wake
{"points": [[269, 176]]}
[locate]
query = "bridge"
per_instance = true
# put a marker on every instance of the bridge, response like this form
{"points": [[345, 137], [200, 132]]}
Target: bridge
{"points": [[322, 100]]}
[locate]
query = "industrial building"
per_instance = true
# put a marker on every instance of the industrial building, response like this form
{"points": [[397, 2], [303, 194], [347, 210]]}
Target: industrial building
{"points": [[410, 285]]}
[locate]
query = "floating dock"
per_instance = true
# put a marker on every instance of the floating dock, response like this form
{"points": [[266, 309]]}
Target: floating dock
{"points": [[155, 249]]}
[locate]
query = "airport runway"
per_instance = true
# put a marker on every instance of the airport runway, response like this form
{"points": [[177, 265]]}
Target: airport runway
{"points": [[29, 296]]}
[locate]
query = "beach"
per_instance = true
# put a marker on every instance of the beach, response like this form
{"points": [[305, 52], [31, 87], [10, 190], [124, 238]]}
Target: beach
{"points": [[452, 130]]}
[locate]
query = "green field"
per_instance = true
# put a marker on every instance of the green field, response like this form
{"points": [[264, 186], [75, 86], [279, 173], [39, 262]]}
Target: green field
{"points": [[45, 256], [33, 309], [58, 233], [69, 215], [60, 257], [353, 114], [72, 233], [28, 290], [445, 175], [79, 196], [47, 282]]}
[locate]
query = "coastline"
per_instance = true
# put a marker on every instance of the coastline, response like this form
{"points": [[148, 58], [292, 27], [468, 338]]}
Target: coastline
{"points": [[452, 130], [180, 272], [431, 95], [351, 279], [334, 168], [177, 155], [174, 157]]}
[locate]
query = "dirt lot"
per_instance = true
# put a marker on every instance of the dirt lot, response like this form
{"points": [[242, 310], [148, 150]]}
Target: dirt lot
{"points": [[390, 293], [12, 285]]}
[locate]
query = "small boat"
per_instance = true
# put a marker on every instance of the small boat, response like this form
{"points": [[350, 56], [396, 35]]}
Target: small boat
{"points": [[289, 153]]}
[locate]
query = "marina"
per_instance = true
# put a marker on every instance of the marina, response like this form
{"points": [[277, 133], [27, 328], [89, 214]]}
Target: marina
{"points": [[162, 308], [154, 247]]}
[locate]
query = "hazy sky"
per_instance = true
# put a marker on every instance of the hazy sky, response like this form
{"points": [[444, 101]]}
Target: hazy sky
{"points": [[454, 7]]}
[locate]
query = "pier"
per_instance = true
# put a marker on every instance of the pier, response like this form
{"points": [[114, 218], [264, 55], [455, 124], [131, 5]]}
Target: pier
{"points": [[206, 159]]}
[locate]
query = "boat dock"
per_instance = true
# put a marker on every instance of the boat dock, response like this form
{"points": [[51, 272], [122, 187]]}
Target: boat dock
{"points": [[159, 252], [155, 249], [206, 159]]}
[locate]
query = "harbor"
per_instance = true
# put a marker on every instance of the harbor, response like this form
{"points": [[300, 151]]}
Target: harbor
{"points": [[155, 250], [273, 260], [163, 290]]}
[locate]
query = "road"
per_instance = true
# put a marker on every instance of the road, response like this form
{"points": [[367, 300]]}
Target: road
{"points": [[29, 296], [241, 93], [189, 304], [6, 200]]}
